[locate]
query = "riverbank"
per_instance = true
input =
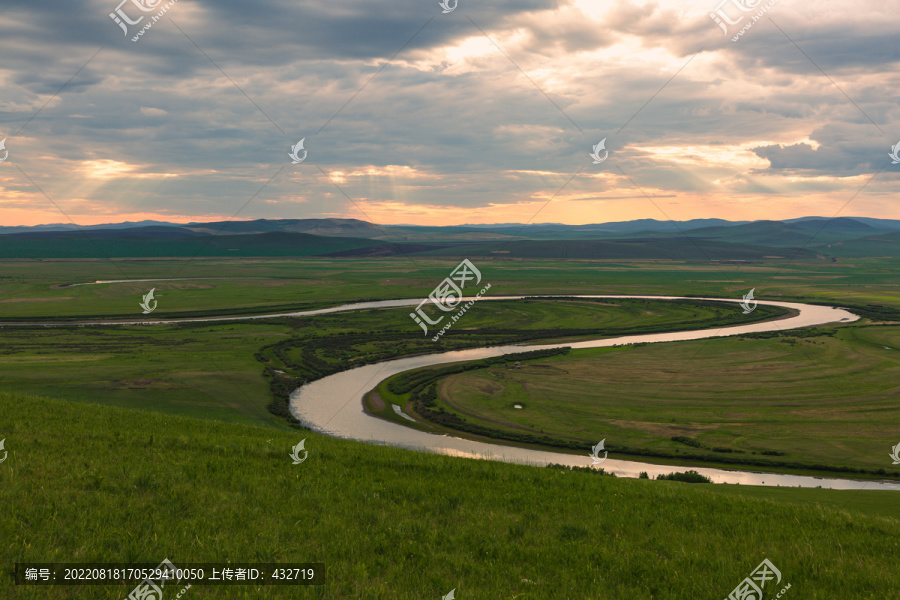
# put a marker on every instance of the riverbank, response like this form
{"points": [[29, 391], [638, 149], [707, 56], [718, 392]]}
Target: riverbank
{"points": [[314, 405]]}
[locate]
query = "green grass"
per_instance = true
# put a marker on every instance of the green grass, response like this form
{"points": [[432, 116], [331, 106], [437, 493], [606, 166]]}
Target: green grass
{"points": [[199, 370], [26, 286], [815, 399], [211, 369], [671, 247], [98, 483], [870, 502], [87, 482]]}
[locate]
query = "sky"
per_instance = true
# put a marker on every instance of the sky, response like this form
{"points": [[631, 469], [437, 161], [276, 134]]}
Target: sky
{"points": [[472, 112]]}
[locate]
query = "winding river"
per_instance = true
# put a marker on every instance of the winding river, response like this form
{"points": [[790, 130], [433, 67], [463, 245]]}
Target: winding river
{"points": [[333, 405]]}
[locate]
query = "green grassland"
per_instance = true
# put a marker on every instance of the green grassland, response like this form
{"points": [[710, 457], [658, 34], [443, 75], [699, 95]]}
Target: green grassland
{"points": [[170, 440], [672, 247], [29, 288], [825, 396], [227, 370], [198, 370], [99, 483]]}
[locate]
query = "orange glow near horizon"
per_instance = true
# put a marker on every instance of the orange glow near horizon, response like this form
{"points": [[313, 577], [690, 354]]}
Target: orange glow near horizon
{"points": [[477, 127], [622, 205]]}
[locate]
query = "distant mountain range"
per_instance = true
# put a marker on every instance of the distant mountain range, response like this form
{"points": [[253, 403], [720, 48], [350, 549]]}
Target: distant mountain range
{"points": [[696, 239], [357, 228]]}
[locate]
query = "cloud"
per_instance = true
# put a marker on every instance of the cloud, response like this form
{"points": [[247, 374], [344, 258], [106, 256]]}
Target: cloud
{"points": [[488, 111]]}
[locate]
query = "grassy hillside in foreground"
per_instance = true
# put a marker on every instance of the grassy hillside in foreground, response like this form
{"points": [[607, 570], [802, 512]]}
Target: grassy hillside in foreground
{"points": [[90, 483]]}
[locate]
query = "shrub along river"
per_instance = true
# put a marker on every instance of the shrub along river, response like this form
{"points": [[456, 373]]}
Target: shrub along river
{"points": [[333, 405]]}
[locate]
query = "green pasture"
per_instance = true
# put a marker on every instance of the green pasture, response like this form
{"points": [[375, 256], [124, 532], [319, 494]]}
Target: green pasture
{"points": [[199, 371], [134, 443], [211, 369], [30, 288], [99, 483], [823, 396]]}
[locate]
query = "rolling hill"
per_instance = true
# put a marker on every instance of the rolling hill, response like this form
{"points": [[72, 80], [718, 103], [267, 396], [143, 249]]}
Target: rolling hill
{"points": [[699, 239], [780, 234], [162, 242], [884, 244]]}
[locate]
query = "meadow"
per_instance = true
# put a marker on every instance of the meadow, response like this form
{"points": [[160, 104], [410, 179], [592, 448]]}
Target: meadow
{"points": [[227, 370], [820, 400], [29, 288], [98, 483], [134, 443]]}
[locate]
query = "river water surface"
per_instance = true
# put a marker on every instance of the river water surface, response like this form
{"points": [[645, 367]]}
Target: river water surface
{"points": [[333, 405]]}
